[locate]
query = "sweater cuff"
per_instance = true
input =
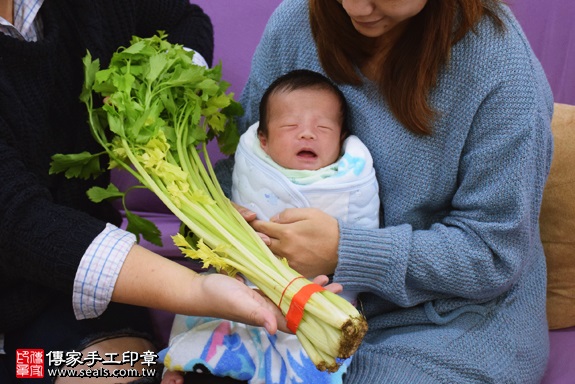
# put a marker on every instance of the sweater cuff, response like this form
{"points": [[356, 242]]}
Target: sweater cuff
{"points": [[370, 259]]}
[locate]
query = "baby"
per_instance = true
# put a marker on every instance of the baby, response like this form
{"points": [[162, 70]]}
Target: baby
{"points": [[300, 154]]}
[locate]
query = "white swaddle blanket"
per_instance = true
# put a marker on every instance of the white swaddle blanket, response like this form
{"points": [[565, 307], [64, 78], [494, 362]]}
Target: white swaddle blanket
{"points": [[347, 189]]}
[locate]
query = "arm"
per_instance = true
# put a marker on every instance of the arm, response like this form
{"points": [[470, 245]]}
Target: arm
{"points": [[150, 280], [145, 278], [153, 281]]}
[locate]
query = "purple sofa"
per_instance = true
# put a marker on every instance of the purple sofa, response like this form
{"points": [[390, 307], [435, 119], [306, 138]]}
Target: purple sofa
{"points": [[238, 26]]}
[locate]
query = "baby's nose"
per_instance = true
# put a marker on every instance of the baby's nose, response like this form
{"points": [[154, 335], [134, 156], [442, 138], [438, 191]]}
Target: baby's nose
{"points": [[307, 132]]}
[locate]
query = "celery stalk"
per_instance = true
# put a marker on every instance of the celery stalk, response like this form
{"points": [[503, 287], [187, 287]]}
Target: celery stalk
{"points": [[159, 112]]}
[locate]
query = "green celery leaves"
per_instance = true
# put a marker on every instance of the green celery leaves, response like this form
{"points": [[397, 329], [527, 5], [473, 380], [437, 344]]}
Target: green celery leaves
{"points": [[151, 99]]}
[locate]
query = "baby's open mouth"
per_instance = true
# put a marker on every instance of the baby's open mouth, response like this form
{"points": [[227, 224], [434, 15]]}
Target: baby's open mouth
{"points": [[306, 153]]}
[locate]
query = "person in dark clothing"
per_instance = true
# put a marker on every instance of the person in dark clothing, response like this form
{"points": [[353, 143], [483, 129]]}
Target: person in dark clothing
{"points": [[70, 278]]}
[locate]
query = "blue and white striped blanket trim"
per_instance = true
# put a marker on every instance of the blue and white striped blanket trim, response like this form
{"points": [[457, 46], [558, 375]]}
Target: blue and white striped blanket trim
{"points": [[243, 352]]}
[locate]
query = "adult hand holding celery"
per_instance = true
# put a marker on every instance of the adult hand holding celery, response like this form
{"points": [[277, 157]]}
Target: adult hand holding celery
{"points": [[159, 112]]}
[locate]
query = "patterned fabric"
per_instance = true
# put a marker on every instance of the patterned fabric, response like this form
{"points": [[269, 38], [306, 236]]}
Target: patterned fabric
{"points": [[229, 349], [98, 271], [26, 25]]}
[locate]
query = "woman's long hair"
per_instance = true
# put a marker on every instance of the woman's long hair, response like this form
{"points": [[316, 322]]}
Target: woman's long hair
{"points": [[411, 67]]}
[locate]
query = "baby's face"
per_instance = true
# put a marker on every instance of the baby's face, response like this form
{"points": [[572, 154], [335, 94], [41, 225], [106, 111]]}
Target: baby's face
{"points": [[304, 129]]}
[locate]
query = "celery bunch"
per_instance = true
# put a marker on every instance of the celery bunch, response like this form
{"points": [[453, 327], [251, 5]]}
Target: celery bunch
{"points": [[159, 112]]}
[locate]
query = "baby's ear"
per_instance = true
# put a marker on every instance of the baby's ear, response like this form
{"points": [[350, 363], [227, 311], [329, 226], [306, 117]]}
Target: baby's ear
{"points": [[263, 140], [343, 136]]}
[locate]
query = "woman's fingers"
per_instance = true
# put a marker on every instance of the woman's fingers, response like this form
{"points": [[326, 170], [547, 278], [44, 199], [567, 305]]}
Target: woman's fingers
{"points": [[250, 217], [323, 280], [308, 238], [246, 213]]}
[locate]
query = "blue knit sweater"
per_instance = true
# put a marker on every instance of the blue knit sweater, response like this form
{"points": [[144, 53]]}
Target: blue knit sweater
{"points": [[455, 279]]}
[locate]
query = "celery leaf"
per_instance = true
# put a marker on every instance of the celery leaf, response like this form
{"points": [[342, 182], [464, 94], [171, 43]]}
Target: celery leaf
{"points": [[143, 227], [81, 165]]}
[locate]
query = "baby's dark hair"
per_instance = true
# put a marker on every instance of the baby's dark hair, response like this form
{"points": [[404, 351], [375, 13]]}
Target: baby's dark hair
{"points": [[302, 79]]}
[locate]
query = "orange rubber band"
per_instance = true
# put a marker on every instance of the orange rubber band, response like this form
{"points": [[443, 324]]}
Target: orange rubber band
{"points": [[285, 289], [298, 302]]}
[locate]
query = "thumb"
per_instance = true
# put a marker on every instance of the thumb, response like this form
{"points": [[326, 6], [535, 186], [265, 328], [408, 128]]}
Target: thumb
{"points": [[262, 312], [269, 322]]}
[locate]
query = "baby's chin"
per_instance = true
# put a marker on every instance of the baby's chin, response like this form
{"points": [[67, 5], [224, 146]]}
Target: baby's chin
{"points": [[306, 165]]}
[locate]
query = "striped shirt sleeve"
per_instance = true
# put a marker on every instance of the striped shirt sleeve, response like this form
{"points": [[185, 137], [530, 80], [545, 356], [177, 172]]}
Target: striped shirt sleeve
{"points": [[99, 270]]}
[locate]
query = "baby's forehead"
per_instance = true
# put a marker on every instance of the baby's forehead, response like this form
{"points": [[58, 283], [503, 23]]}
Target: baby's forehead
{"points": [[291, 91], [292, 95]]}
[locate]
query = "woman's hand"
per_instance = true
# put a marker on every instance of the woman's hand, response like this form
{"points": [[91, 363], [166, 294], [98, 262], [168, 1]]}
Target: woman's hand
{"points": [[307, 237], [250, 216]]}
